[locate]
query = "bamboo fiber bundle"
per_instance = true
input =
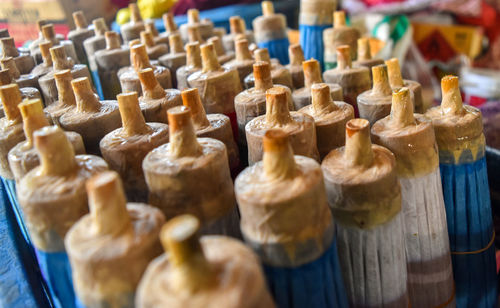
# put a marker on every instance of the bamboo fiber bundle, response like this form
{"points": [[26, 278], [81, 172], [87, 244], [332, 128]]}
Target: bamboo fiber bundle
{"points": [[151, 27], [460, 139], [341, 34], [217, 86], [155, 101], [154, 50], [222, 55], [295, 66], [396, 80], [251, 103], [188, 164], [26, 92], [176, 58], [286, 220], [330, 118], [139, 59], [193, 64], [411, 138], [211, 272], [91, 118], [79, 35], [243, 61], [315, 17], [365, 198], [365, 55], [108, 62], [215, 125], [24, 61], [299, 126], [111, 247], [46, 66], [60, 62], [270, 32], [132, 29], [52, 197], [125, 148], [47, 33], [353, 80], [375, 104], [279, 74], [312, 74], [24, 157], [237, 26], [23, 80], [206, 27]]}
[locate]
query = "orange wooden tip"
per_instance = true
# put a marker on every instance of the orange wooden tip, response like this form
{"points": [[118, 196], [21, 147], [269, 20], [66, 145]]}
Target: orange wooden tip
{"points": [[354, 126], [151, 27], [339, 19], [194, 33], [147, 38], [175, 43], [48, 32], [312, 72], [235, 25], [179, 236], [275, 140], [242, 51], [112, 40], [169, 22], [80, 20], [100, 26], [449, 83], [10, 97], [209, 58], [135, 13], [178, 118], [193, 54], [219, 49], [193, 16], [5, 77], [262, 54], [296, 54], [9, 47], [364, 52], [267, 8], [9, 64]]}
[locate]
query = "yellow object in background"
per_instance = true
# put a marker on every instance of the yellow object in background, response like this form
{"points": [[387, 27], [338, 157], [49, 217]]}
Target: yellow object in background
{"points": [[149, 9]]}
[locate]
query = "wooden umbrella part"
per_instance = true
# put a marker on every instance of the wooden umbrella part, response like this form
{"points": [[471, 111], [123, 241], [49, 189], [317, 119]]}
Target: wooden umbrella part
{"points": [[243, 60], [237, 26], [132, 29], [375, 104], [186, 164], [365, 198], [279, 73], [365, 57], [296, 56], [271, 196], [24, 157], [206, 26], [299, 126], [91, 118], [176, 58], [193, 64], [125, 148], [124, 238], [66, 96], [312, 74], [353, 80], [109, 62], [157, 38], [396, 80], [139, 59], [330, 118], [24, 62], [411, 138], [46, 66], [80, 34], [11, 126], [222, 55], [251, 103], [155, 101], [23, 80], [154, 50], [96, 42], [60, 62], [57, 182], [217, 85], [209, 272], [339, 35], [215, 125]]}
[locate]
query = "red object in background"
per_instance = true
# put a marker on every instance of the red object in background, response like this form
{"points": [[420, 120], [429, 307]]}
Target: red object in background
{"points": [[380, 2], [23, 32], [489, 20], [436, 47], [182, 6]]}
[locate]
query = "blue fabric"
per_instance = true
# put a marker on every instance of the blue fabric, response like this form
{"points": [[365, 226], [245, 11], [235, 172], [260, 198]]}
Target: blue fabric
{"points": [[317, 284], [97, 84], [277, 49], [311, 40], [56, 270], [10, 186], [15, 290], [470, 228]]}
